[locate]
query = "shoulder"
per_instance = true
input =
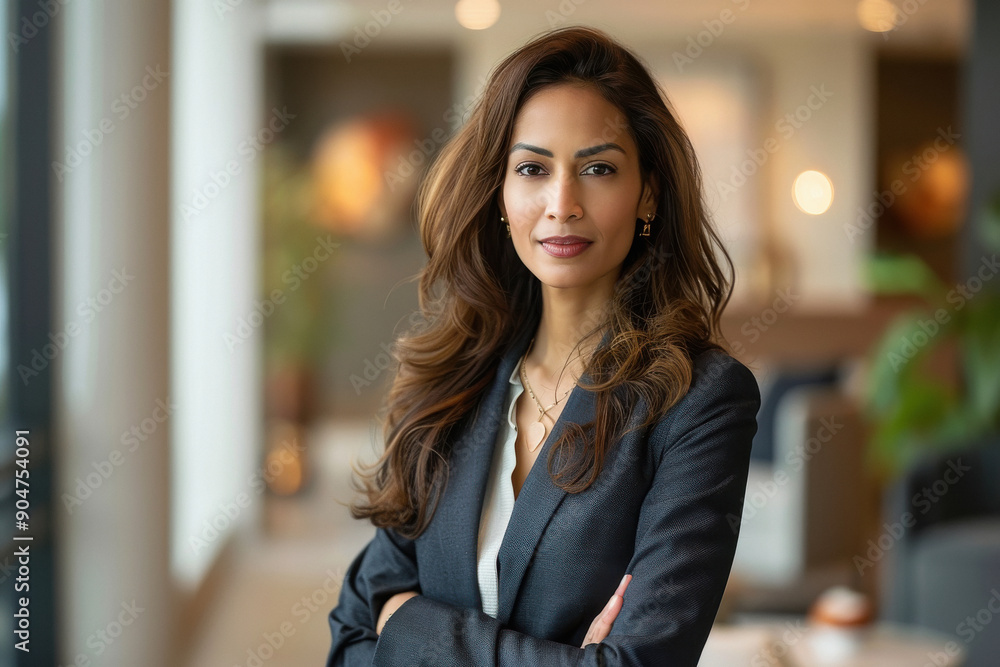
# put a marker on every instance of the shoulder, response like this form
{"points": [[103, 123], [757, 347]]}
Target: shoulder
{"points": [[723, 397], [714, 373]]}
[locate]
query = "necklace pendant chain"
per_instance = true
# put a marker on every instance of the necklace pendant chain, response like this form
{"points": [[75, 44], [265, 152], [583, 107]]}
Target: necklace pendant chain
{"points": [[537, 434]]}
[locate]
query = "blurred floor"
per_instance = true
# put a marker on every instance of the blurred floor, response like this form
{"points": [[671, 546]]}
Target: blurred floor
{"points": [[273, 601]]}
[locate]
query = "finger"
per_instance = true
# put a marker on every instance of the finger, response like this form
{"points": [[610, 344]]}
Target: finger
{"points": [[623, 585], [614, 605], [611, 610], [600, 627]]}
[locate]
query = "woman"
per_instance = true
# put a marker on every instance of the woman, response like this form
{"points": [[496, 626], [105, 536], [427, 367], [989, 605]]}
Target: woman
{"points": [[565, 425]]}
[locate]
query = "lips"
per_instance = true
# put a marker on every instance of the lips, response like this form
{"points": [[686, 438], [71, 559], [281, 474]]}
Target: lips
{"points": [[565, 240], [565, 246]]}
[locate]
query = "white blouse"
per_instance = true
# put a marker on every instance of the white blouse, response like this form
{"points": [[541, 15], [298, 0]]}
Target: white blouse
{"points": [[499, 500]]}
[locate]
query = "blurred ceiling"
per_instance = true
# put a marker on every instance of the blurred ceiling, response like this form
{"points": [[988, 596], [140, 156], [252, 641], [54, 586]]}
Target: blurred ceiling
{"points": [[925, 24]]}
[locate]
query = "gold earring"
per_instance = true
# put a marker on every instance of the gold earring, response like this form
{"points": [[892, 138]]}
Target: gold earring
{"points": [[502, 219], [645, 227]]}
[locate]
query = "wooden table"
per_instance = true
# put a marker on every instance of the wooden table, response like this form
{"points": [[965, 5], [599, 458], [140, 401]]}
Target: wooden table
{"points": [[792, 642]]}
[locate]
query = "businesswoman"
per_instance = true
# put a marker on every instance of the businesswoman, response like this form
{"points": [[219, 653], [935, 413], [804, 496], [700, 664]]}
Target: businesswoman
{"points": [[566, 439]]}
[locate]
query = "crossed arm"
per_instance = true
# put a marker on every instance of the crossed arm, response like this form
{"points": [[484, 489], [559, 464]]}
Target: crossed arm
{"points": [[599, 627], [684, 550]]}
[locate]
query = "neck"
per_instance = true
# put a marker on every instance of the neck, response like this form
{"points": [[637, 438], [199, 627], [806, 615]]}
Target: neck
{"points": [[557, 356]]}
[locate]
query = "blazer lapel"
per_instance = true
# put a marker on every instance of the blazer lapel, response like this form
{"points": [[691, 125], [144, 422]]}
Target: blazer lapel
{"points": [[534, 506], [460, 508], [456, 545]]}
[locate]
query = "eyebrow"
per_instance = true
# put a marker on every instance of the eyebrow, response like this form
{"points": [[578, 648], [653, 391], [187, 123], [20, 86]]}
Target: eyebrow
{"points": [[583, 152]]}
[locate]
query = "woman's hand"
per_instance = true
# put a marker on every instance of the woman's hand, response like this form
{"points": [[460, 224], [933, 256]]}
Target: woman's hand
{"points": [[391, 605], [601, 625]]}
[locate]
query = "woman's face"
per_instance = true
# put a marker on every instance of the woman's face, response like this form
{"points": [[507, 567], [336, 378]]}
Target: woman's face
{"points": [[573, 171]]}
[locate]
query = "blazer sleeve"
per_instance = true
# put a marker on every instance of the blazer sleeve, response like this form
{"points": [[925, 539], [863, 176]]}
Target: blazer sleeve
{"points": [[685, 545], [386, 566], [689, 522]]}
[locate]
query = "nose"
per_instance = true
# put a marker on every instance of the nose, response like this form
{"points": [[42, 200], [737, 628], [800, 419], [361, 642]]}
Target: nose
{"points": [[563, 200]]}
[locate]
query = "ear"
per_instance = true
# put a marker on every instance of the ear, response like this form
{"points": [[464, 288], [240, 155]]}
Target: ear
{"points": [[503, 211], [650, 196]]}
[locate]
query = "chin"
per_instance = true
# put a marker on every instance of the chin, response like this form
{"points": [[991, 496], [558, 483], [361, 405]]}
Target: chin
{"points": [[563, 281]]}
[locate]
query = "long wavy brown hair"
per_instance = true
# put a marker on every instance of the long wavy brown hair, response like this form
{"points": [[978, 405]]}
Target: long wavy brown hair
{"points": [[475, 294]]}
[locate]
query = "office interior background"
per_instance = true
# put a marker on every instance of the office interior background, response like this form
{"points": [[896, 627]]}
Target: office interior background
{"points": [[209, 241]]}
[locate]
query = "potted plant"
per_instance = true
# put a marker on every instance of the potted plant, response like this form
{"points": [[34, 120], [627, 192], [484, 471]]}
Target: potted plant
{"points": [[295, 310], [934, 378]]}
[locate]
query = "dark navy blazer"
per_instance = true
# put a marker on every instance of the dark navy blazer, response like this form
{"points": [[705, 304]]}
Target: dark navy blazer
{"points": [[665, 509]]}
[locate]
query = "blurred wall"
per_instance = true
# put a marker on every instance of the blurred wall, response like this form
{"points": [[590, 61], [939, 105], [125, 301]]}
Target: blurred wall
{"points": [[831, 131]]}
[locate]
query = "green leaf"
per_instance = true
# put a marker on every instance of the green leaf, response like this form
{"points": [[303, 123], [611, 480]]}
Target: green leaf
{"points": [[981, 357], [896, 360], [901, 274]]}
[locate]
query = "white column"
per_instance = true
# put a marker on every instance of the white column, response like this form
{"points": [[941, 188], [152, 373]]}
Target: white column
{"points": [[111, 184], [220, 128]]}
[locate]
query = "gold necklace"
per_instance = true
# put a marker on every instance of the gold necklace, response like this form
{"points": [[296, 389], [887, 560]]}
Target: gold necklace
{"points": [[536, 432]]}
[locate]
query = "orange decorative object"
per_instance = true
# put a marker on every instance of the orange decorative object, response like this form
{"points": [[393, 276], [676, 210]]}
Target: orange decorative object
{"points": [[930, 188], [285, 461], [841, 607], [366, 172]]}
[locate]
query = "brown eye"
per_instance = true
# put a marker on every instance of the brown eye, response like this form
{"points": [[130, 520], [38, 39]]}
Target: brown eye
{"points": [[608, 169], [527, 165]]}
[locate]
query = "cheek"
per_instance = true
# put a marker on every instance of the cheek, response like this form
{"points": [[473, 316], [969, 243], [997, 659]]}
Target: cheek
{"points": [[522, 200], [618, 224], [624, 235], [511, 191]]}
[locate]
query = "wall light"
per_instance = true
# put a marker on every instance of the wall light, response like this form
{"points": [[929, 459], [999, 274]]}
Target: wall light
{"points": [[812, 192], [477, 14], [877, 15]]}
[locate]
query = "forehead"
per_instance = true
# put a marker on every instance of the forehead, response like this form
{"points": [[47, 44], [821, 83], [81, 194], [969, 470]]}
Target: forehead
{"points": [[573, 115]]}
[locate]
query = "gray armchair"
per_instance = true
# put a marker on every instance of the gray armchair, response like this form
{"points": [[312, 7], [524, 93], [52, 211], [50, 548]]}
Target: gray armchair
{"points": [[943, 571]]}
